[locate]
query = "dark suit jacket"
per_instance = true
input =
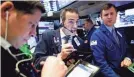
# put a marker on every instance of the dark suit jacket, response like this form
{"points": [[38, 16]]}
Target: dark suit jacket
{"points": [[88, 36], [8, 64], [50, 44]]}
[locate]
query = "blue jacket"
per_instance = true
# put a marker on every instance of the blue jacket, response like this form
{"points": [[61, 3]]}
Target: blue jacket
{"points": [[107, 54], [88, 36], [90, 33]]}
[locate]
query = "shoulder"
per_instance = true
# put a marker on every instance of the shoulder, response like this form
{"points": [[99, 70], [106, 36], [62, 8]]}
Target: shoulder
{"points": [[97, 32]]}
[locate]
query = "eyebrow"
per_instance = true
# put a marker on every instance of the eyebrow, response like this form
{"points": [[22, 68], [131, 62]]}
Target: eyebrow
{"points": [[71, 19], [74, 19]]}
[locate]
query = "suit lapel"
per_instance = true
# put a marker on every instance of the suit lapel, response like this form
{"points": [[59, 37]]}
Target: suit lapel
{"points": [[120, 38], [58, 38], [108, 34]]}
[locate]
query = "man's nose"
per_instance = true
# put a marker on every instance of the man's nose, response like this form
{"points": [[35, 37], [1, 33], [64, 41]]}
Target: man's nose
{"points": [[75, 25], [33, 32], [109, 16]]}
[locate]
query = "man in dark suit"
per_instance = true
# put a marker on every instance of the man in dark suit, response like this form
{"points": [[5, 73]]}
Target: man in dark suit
{"points": [[89, 28], [53, 41]]}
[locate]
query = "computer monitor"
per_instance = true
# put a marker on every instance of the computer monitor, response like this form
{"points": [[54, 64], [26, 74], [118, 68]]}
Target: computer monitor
{"points": [[63, 3], [125, 18], [42, 26], [82, 69]]}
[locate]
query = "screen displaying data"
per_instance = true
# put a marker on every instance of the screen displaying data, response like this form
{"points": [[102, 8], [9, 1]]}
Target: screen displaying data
{"points": [[81, 71]]}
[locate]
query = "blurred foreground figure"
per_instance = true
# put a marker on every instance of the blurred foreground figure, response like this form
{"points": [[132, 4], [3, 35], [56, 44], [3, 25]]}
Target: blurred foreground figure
{"points": [[19, 20]]}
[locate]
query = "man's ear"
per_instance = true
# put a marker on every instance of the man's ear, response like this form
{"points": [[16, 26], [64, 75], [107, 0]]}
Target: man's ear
{"points": [[6, 6]]}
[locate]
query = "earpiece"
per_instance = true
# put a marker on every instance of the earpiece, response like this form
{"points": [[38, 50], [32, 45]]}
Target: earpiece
{"points": [[7, 13]]}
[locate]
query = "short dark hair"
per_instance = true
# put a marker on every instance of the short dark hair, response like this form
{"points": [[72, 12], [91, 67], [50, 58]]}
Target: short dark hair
{"points": [[28, 6], [108, 6], [63, 13], [89, 20]]}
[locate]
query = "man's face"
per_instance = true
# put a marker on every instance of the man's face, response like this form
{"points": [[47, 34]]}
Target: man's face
{"points": [[109, 16], [22, 26], [87, 25], [71, 21]]}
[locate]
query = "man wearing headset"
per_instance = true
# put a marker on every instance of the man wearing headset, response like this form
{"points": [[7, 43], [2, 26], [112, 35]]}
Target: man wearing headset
{"points": [[18, 22], [53, 41]]}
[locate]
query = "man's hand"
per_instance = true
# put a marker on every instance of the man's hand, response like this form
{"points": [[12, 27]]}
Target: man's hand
{"points": [[53, 67], [65, 51], [71, 61], [126, 62], [86, 41]]}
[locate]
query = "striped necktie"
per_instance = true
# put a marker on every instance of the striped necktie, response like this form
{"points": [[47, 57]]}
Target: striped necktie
{"points": [[115, 36], [67, 39]]}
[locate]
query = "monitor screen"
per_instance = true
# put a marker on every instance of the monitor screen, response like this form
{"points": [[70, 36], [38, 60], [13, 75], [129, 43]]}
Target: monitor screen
{"points": [[44, 26], [63, 3], [81, 71], [50, 5], [125, 18]]}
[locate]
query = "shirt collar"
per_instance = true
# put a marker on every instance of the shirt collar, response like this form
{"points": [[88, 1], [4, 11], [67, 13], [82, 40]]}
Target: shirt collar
{"points": [[62, 34], [110, 28]]}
